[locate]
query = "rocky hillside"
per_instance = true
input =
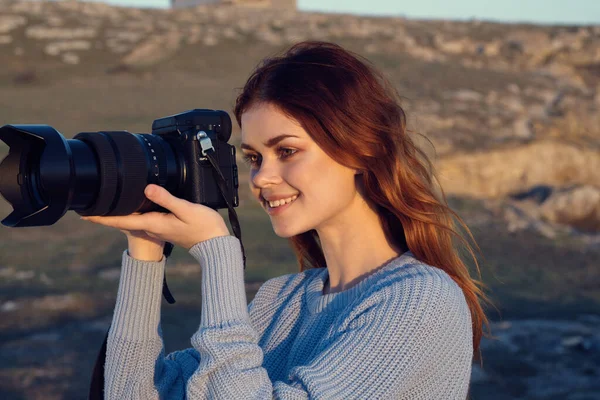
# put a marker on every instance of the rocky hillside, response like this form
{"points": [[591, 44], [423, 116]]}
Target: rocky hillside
{"points": [[511, 110]]}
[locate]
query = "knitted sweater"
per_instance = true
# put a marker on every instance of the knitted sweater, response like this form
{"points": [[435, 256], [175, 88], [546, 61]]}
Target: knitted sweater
{"points": [[403, 332]]}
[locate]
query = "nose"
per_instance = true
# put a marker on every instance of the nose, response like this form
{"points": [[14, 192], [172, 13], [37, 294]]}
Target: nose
{"points": [[268, 174]]}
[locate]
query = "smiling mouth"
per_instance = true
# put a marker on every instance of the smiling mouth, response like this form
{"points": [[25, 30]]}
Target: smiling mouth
{"points": [[268, 207]]}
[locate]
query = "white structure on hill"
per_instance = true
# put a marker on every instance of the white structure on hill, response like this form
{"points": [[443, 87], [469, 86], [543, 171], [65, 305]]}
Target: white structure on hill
{"points": [[287, 4]]}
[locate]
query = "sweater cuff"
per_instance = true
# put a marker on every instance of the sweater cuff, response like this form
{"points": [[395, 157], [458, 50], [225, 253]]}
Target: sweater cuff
{"points": [[137, 312], [223, 289]]}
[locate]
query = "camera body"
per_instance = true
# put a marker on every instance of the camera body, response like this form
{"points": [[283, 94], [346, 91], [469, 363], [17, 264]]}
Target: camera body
{"points": [[105, 173], [198, 178]]}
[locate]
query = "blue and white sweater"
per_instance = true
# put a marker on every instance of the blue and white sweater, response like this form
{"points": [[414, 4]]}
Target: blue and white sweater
{"points": [[403, 332]]}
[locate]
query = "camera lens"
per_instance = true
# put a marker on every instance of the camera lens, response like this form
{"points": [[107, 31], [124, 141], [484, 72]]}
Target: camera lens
{"points": [[95, 173]]}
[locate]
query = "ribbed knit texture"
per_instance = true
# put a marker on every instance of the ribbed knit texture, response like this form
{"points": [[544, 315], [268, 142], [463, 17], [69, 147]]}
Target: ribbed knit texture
{"points": [[403, 332]]}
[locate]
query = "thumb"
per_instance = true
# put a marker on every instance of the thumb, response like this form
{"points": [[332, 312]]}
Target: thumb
{"points": [[161, 196]]}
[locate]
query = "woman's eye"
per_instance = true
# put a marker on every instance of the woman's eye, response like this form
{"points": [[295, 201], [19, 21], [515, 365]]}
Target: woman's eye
{"points": [[253, 160], [250, 159], [286, 152]]}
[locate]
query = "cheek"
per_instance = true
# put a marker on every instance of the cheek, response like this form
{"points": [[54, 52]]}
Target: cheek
{"points": [[328, 185], [299, 176]]}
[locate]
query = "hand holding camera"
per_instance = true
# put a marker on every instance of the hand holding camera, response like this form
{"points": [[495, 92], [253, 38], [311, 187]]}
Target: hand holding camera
{"points": [[185, 225]]}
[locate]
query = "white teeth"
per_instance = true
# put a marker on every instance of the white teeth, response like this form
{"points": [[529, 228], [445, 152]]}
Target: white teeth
{"points": [[281, 202]]}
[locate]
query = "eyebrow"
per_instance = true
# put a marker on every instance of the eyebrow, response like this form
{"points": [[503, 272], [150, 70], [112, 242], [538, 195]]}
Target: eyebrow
{"points": [[269, 143]]}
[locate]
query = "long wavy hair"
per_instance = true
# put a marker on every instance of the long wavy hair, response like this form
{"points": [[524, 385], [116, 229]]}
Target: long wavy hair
{"points": [[353, 113]]}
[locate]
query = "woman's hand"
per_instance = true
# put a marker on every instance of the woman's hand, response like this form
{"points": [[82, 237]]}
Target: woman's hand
{"points": [[185, 225]]}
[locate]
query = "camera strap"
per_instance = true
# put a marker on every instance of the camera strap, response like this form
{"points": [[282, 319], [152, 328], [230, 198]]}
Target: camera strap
{"points": [[97, 384], [209, 152]]}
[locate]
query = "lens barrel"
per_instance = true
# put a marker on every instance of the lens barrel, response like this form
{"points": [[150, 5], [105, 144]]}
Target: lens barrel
{"points": [[95, 173]]}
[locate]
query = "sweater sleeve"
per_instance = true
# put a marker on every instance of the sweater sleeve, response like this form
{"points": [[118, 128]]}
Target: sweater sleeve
{"points": [[136, 366], [415, 345]]}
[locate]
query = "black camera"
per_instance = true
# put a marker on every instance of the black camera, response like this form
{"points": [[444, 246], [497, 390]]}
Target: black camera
{"points": [[105, 173]]}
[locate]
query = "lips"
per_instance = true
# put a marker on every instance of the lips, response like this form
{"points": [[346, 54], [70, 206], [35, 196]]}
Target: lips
{"points": [[279, 209], [273, 199]]}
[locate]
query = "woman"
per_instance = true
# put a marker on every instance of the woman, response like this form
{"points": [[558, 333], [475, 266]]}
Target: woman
{"points": [[383, 306]]}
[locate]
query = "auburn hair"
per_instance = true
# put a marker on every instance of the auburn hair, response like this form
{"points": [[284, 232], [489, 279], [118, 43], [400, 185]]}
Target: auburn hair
{"points": [[353, 113]]}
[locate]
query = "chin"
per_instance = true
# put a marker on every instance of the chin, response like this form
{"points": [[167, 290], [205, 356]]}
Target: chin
{"points": [[287, 231]]}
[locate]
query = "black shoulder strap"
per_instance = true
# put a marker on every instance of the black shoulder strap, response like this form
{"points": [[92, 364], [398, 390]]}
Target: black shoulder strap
{"points": [[97, 385]]}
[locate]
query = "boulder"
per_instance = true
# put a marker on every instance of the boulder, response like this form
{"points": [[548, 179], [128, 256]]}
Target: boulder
{"points": [[578, 207]]}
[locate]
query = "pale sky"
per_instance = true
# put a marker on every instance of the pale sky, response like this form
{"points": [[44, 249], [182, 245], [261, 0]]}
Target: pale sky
{"points": [[537, 11]]}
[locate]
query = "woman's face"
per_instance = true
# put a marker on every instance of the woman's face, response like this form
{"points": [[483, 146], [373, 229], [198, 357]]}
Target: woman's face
{"points": [[285, 163]]}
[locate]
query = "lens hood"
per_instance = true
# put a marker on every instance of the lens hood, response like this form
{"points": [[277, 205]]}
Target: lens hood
{"points": [[35, 202]]}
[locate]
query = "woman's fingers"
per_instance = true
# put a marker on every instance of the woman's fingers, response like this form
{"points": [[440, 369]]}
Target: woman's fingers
{"points": [[184, 225], [151, 222], [134, 222], [161, 196]]}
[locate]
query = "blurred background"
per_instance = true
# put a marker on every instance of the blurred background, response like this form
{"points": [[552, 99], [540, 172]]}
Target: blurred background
{"points": [[507, 92]]}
